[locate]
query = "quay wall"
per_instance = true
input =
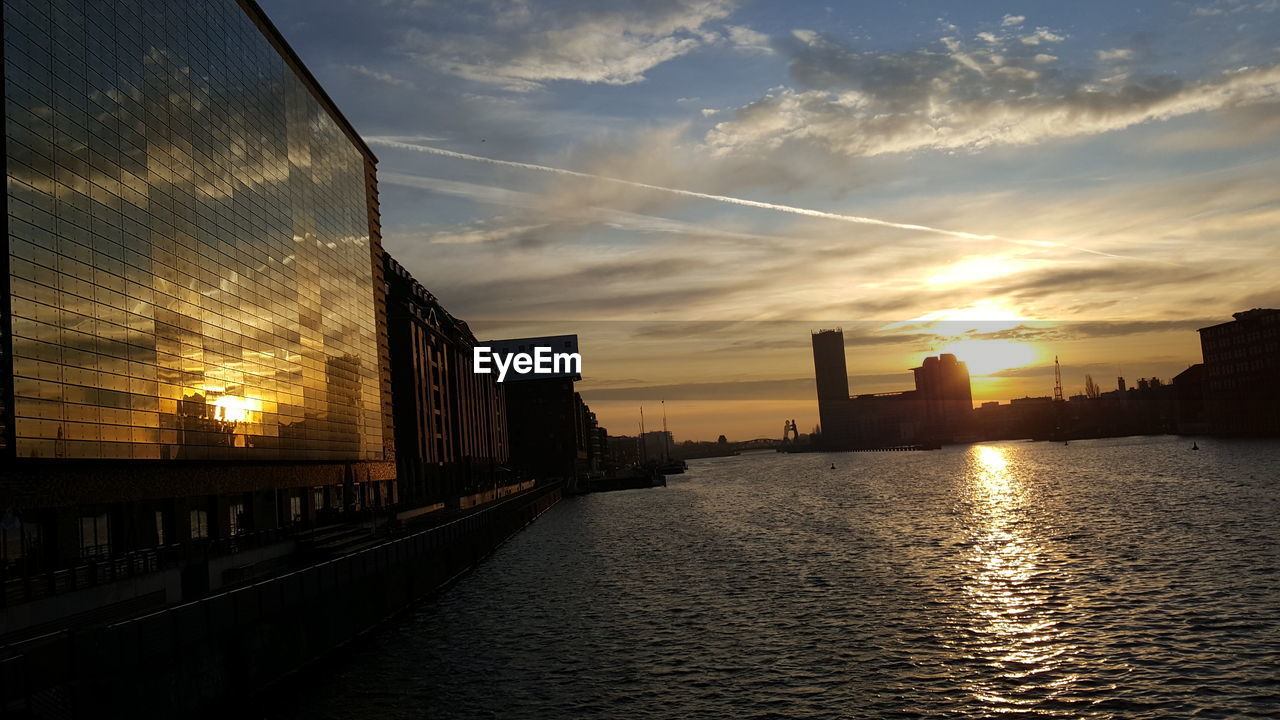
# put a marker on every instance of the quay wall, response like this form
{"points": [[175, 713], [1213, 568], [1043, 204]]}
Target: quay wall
{"points": [[213, 655]]}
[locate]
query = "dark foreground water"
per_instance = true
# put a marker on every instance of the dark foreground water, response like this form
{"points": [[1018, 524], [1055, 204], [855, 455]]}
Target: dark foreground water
{"points": [[1129, 578]]}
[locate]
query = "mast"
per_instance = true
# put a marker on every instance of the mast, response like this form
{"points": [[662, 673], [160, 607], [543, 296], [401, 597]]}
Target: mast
{"points": [[666, 436], [643, 450]]}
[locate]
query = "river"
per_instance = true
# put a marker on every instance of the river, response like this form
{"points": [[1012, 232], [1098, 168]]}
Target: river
{"points": [[1121, 578]]}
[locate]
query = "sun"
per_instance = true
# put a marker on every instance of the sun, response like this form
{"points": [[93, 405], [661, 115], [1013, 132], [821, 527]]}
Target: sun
{"points": [[989, 356]]}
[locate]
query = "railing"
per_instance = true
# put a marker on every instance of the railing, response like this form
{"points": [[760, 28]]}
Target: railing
{"points": [[95, 572], [30, 586], [36, 585], [218, 650]]}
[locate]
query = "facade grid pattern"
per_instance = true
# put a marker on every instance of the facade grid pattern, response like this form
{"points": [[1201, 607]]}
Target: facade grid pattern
{"points": [[189, 250]]}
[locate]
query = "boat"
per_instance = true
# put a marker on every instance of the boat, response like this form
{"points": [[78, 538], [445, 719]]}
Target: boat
{"points": [[674, 466], [669, 465]]}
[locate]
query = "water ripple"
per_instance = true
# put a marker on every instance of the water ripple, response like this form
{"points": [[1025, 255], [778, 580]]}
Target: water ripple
{"points": [[1108, 579]]}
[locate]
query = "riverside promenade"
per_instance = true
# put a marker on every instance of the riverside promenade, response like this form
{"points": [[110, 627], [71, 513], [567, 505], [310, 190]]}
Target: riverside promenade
{"points": [[214, 654]]}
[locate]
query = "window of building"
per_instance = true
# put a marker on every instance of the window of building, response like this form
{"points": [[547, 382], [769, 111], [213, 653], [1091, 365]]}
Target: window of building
{"points": [[295, 509], [319, 498], [237, 519], [199, 524], [18, 540], [159, 528], [95, 535]]}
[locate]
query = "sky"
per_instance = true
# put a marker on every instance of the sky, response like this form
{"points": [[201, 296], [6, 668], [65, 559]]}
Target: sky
{"points": [[693, 186]]}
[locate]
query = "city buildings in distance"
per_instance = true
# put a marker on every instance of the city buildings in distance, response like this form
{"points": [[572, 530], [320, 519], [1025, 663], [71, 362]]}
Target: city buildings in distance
{"points": [[938, 410], [1235, 391]]}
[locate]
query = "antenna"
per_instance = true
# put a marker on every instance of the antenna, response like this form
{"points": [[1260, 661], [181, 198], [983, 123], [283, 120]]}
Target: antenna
{"points": [[1057, 380]]}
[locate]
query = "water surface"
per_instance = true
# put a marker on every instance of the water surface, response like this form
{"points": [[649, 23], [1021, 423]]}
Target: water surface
{"points": [[1124, 578]]}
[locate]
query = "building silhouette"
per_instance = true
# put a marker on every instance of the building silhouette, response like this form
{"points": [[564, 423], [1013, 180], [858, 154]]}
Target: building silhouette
{"points": [[1242, 374], [1190, 393], [450, 423], [554, 434], [832, 378], [943, 386], [939, 409]]}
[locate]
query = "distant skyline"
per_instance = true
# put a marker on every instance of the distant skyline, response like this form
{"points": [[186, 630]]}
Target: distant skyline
{"points": [[1005, 181]]}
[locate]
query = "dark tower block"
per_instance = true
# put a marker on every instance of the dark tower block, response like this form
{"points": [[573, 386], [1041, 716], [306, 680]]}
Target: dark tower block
{"points": [[832, 378], [943, 385]]}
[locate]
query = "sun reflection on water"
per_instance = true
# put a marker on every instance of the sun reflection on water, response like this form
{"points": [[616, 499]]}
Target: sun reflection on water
{"points": [[1012, 626]]}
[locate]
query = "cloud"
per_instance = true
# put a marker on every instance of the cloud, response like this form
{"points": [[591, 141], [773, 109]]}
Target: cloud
{"points": [[801, 388], [1010, 20], [744, 38], [1115, 54], [1266, 299], [382, 77], [1041, 35], [950, 98], [1235, 127], [521, 47], [1063, 331], [1117, 278]]}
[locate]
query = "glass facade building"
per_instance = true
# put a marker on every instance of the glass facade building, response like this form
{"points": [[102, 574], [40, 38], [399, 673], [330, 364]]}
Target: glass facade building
{"points": [[192, 246]]}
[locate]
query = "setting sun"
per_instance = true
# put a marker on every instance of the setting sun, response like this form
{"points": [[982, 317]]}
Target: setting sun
{"points": [[988, 356]]}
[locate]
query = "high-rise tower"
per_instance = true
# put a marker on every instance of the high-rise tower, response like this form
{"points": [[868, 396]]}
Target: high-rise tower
{"points": [[832, 378], [942, 383]]}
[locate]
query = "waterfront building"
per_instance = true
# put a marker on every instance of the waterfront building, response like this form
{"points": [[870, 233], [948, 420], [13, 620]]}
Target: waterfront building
{"points": [[623, 450], [547, 420], [1188, 388], [194, 343], [1242, 374], [450, 422], [589, 444], [942, 383], [657, 445], [938, 410], [831, 376], [878, 420]]}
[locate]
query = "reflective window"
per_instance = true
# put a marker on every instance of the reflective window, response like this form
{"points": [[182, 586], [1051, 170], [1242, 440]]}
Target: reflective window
{"points": [[237, 518], [199, 524], [95, 535], [189, 242]]}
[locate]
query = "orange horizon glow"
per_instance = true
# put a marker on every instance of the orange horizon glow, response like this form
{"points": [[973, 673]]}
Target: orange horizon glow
{"points": [[984, 357]]}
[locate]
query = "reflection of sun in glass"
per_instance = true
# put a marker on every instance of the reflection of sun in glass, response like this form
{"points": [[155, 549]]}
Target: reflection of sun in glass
{"points": [[233, 408], [1002, 570]]}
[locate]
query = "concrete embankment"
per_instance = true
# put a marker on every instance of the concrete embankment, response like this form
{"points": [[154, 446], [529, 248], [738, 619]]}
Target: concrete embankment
{"points": [[207, 656]]}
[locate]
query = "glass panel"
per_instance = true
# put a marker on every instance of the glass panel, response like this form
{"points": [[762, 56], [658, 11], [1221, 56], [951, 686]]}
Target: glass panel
{"points": [[189, 239]]}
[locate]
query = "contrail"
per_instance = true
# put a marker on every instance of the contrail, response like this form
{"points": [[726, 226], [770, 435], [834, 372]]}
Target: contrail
{"points": [[857, 219], [389, 142]]}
